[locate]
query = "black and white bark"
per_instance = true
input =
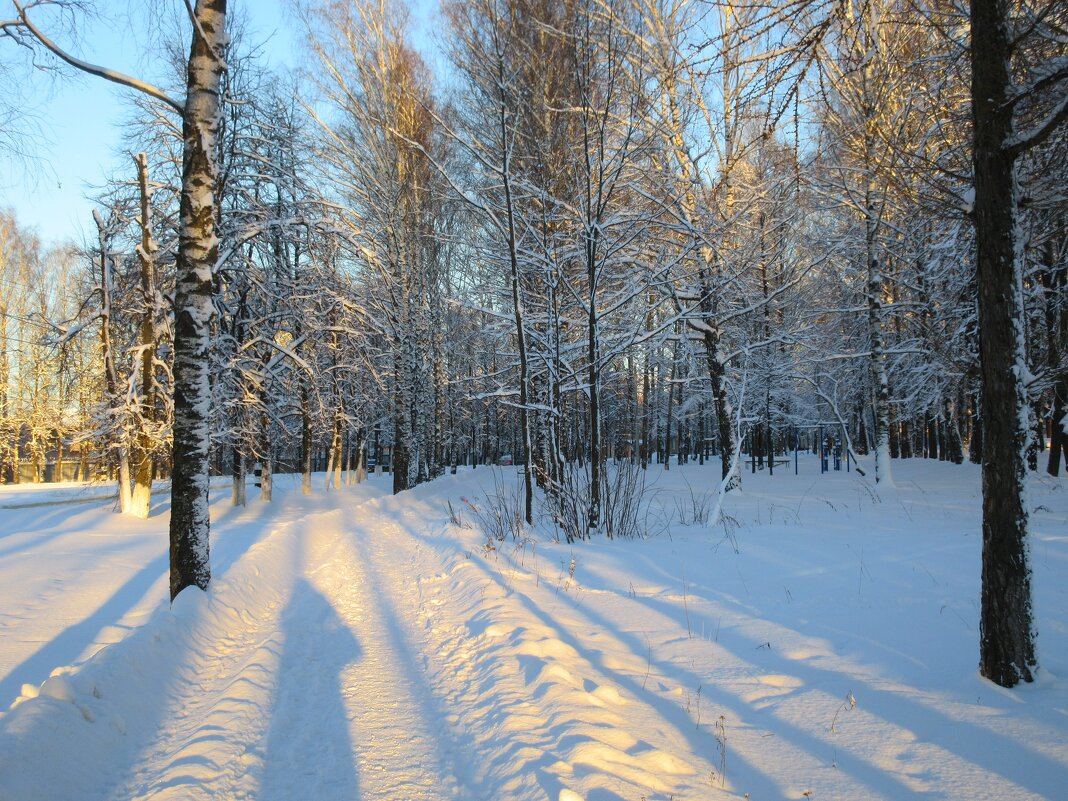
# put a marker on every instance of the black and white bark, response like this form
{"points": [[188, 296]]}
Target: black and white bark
{"points": [[198, 250]]}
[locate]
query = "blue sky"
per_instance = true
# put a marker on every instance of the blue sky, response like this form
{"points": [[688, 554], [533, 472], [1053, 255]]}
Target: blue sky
{"points": [[80, 118]]}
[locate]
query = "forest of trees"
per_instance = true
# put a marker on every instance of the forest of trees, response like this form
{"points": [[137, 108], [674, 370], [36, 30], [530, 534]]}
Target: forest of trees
{"points": [[610, 233]]}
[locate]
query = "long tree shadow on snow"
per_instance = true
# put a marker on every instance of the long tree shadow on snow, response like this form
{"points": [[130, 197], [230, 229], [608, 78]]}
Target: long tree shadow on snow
{"points": [[997, 752], [67, 645], [309, 752], [744, 774]]}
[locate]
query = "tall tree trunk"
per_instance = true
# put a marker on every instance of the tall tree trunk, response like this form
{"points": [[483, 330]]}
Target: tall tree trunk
{"points": [[716, 373], [58, 475], [954, 449], [1038, 436], [336, 444], [8, 440], [239, 493], [305, 441], [906, 439], [349, 466], [111, 375], [1058, 441], [517, 300], [1053, 280], [361, 455], [594, 356], [1006, 638], [267, 462], [143, 443], [198, 252], [701, 446], [975, 446], [881, 416], [632, 397], [645, 432], [671, 405], [400, 459]]}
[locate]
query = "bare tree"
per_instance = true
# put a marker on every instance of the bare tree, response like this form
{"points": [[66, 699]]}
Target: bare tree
{"points": [[197, 254], [1011, 113]]}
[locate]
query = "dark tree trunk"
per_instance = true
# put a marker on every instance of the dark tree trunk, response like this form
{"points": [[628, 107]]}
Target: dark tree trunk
{"points": [[267, 465], [305, 441], [702, 443], [670, 406], [401, 455], [1053, 282], [520, 326], [1058, 442], [975, 446], [954, 448], [1007, 653], [644, 439], [862, 434], [769, 448], [1038, 437], [716, 376], [594, 371]]}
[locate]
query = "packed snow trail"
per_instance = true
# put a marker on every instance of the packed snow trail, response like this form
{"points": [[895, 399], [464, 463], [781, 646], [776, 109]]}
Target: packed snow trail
{"points": [[286, 681], [308, 700], [338, 658]]}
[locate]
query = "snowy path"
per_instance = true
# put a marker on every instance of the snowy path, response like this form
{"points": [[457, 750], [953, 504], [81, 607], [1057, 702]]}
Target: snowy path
{"points": [[346, 654], [361, 647], [310, 696]]}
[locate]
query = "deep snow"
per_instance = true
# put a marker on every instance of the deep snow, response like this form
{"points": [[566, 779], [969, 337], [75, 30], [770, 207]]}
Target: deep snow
{"points": [[821, 643]]}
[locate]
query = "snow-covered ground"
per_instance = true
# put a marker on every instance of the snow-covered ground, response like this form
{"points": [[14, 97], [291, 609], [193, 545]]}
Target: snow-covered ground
{"points": [[822, 644]]}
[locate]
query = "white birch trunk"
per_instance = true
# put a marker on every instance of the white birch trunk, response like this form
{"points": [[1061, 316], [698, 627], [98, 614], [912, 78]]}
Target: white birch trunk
{"points": [[198, 251]]}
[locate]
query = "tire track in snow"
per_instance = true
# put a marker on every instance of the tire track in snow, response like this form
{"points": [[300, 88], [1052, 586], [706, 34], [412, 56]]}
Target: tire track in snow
{"points": [[311, 697], [218, 703], [572, 733], [234, 678], [539, 713], [293, 677], [400, 748]]}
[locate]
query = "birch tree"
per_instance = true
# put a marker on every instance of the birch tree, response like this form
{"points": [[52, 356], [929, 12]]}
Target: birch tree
{"points": [[197, 254]]}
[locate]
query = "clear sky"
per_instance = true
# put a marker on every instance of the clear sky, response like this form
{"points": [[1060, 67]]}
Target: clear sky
{"points": [[79, 118]]}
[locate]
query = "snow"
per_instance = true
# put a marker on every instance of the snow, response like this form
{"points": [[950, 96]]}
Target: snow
{"points": [[822, 639]]}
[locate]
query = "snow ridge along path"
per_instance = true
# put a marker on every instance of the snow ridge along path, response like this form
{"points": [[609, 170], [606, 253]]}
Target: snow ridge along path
{"points": [[363, 647], [286, 681]]}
